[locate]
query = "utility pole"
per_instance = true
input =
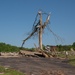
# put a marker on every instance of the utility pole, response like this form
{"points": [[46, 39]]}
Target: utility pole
{"points": [[39, 27], [40, 30]]}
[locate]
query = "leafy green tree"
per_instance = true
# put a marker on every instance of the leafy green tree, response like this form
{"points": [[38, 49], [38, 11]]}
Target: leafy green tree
{"points": [[64, 47], [60, 47], [8, 48], [43, 47], [73, 45]]}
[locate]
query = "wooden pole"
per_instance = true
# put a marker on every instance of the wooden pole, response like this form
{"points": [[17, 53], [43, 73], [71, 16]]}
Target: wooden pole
{"points": [[40, 31]]}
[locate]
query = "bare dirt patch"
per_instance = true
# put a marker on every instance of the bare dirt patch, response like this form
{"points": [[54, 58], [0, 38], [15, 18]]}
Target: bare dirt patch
{"points": [[38, 66]]}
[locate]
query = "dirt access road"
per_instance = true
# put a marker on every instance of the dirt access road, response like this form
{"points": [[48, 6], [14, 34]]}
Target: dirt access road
{"points": [[38, 66]]}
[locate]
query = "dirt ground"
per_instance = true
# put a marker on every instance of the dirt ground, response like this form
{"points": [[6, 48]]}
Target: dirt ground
{"points": [[38, 66]]}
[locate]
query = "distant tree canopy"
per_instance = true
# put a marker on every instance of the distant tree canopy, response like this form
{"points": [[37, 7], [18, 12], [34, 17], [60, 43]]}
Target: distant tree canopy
{"points": [[66, 47], [8, 48], [73, 45]]}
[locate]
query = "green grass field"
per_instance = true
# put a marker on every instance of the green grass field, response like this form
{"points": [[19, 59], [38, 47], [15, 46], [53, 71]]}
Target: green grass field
{"points": [[8, 71], [71, 58]]}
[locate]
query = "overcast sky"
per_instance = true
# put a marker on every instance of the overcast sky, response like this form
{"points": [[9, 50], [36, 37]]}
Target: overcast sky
{"points": [[17, 18]]}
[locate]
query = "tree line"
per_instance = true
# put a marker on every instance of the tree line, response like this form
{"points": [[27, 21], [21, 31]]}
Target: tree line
{"points": [[66, 47], [8, 48]]}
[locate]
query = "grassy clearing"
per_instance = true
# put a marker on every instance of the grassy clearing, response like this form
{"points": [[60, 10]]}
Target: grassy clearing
{"points": [[8, 71], [71, 58], [72, 62]]}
